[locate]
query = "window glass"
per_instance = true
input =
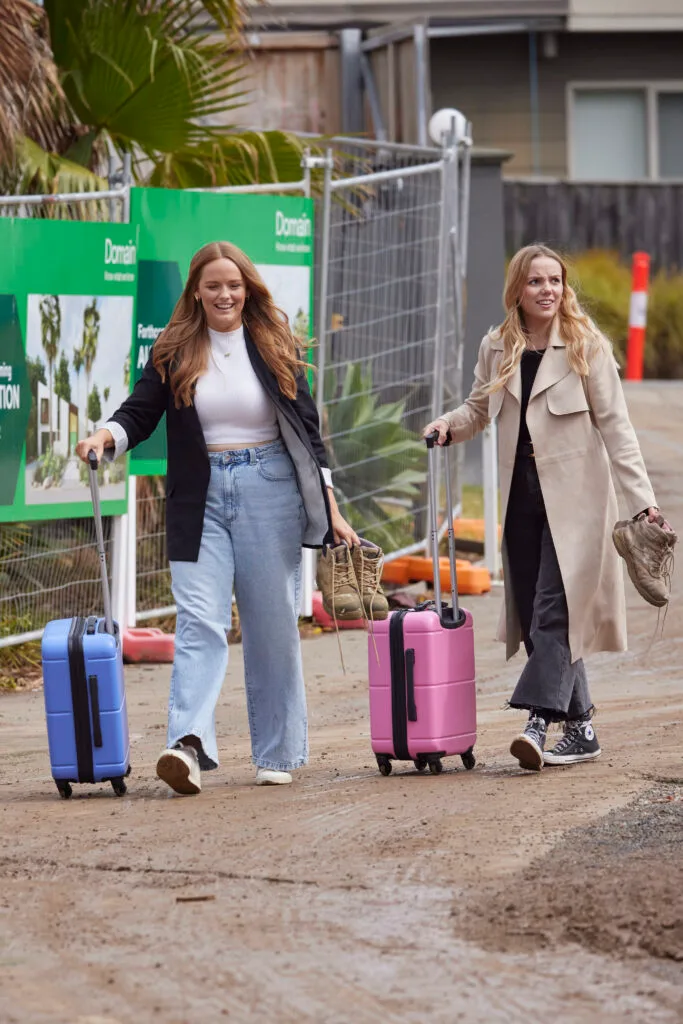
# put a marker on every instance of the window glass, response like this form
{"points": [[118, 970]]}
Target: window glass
{"points": [[609, 135], [670, 133]]}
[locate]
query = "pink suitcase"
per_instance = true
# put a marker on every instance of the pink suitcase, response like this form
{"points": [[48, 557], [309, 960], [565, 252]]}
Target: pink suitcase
{"points": [[422, 680]]}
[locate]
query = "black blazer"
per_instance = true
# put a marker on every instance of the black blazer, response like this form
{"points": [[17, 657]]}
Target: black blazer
{"points": [[188, 469]]}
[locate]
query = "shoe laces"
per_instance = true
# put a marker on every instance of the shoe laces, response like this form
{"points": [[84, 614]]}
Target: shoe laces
{"points": [[343, 573], [536, 728], [571, 733]]}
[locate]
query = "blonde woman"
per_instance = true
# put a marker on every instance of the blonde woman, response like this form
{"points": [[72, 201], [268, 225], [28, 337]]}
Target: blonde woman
{"points": [[550, 378], [247, 485]]}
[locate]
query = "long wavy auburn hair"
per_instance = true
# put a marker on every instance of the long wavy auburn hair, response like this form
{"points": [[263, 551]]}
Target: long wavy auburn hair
{"points": [[181, 351], [580, 334]]}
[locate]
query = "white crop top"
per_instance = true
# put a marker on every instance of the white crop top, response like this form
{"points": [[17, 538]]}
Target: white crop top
{"points": [[231, 403]]}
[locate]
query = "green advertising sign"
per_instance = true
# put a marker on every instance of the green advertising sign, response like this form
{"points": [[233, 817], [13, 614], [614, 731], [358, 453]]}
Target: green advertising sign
{"points": [[67, 293], [276, 232]]}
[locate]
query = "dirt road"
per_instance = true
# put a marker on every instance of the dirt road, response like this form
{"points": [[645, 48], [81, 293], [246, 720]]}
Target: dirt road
{"points": [[348, 898]]}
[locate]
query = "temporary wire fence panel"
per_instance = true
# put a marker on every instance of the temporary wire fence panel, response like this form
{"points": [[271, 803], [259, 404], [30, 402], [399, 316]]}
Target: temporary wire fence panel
{"points": [[99, 211], [48, 570], [383, 290], [391, 359]]}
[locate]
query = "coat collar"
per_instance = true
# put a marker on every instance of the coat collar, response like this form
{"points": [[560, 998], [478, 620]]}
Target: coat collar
{"points": [[553, 365]]}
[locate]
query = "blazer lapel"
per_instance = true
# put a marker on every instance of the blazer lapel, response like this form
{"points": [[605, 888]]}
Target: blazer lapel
{"points": [[514, 384], [554, 365]]}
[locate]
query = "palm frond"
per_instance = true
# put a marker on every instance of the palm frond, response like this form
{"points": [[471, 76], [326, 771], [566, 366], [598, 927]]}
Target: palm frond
{"points": [[31, 97]]}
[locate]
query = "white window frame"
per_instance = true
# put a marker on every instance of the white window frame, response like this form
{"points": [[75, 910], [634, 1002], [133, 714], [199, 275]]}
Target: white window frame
{"points": [[651, 90]]}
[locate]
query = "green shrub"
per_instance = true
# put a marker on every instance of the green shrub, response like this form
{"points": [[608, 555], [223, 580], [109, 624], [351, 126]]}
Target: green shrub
{"points": [[603, 285], [50, 466]]}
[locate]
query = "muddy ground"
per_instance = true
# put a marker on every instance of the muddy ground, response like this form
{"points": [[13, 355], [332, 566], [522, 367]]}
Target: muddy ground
{"points": [[492, 895]]}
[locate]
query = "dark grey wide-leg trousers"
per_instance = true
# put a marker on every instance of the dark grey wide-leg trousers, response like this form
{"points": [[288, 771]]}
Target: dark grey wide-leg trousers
{"points": [[549, 682]]}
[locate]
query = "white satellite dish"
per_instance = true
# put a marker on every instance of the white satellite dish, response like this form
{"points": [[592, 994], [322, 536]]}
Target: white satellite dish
{"points": [[442, 123]]}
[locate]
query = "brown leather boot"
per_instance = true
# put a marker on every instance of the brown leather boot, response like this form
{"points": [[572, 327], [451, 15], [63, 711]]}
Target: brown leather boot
{"points": [[368, 561], [337, 583]]}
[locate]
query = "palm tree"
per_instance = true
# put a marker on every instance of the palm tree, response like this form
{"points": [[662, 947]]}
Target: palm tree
{"points": [[152, 78], [91, 334], [50, 330], [78, 366]]}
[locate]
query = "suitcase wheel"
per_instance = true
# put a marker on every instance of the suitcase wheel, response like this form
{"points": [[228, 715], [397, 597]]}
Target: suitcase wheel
{"points": [[420, 763], [384, 764], [119, 786], [468, 759], [436, 765], [64, 788]]}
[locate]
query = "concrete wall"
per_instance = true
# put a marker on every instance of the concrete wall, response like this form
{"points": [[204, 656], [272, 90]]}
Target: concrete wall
{"points": [[485, 275], [487, 77]]}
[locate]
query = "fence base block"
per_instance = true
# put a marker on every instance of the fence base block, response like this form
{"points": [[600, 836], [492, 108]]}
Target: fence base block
{"points": [[148, 643]]}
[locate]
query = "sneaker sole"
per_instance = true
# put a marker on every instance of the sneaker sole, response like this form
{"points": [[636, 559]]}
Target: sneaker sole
{"points": [[529, 754], [272, 782], [550, 758], [176, 774]]}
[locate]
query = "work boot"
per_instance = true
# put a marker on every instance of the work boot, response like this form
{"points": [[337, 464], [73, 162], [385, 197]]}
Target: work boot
{"points": [[647, 550], [579, 743], [528, 746], [368, 561], [336, 581]]}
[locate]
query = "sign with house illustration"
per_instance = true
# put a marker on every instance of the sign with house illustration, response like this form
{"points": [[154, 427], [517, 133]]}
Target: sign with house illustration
{"points": [[276, 232], [66, 313], [81, 305]]}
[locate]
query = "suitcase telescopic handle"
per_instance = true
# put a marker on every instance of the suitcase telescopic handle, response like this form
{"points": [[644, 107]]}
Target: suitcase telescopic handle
{"points": [[431, 440], [99, 534]]}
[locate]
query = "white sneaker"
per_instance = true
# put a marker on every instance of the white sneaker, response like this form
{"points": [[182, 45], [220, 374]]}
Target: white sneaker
{"points": [[271, 777], [178, 767]]}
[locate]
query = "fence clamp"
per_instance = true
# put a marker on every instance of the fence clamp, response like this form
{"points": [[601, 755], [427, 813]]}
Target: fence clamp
{"points": [[312, 163]]}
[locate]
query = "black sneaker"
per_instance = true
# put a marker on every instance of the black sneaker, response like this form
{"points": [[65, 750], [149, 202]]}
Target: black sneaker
{"points": [[528, 746], [579, 743]]}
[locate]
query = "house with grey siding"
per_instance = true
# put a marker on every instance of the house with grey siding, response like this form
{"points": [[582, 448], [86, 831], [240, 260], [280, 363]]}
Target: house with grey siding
{"points": [[580, 89]]}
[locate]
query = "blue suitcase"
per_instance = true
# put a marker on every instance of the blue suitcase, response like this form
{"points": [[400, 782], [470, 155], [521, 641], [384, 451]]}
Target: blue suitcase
{"points": [[85, 700]]}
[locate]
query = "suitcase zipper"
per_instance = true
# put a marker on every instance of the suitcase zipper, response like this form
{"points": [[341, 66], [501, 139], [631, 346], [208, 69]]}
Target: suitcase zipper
{"points": [[80, 702], [399, 718]]}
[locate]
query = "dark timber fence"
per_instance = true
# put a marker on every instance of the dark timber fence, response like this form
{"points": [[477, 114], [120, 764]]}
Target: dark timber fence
{"points": [[575, 216]]}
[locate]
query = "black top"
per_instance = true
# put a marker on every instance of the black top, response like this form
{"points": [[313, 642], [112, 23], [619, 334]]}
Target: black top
{"points": [[188, 468], [530, 363]]}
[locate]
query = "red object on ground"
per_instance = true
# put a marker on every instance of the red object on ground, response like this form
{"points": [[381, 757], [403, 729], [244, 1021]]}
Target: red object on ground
{"points": [[323, 619], [148, 643], [637, 320]]}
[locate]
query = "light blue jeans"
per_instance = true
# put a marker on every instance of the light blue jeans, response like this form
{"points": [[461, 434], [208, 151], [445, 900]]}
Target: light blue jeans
{"points": [[253, 528]]}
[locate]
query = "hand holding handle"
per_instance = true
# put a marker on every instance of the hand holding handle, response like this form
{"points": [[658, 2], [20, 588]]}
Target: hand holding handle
{"points": [[433, 439]]}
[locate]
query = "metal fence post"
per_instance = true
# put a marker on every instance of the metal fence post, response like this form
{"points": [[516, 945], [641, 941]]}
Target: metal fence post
{"points": [[308, 555], [439, 338], [490, 470], [324, 281]]}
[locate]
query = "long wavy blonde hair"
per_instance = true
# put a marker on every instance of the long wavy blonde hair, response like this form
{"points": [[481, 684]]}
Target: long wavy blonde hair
{"points": [[580, 334], [181, 351]]}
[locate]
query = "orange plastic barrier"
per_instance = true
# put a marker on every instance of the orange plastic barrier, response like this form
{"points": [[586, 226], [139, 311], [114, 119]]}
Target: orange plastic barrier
{"points": [[472, 579], [472, 529], [148, 643]]}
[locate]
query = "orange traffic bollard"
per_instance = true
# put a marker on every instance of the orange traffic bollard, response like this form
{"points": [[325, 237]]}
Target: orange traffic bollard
{"points": [[635, 349]]}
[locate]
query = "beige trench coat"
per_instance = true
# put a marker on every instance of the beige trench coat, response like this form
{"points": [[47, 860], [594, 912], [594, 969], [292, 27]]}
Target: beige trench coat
{"points": [[578, 428]]}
